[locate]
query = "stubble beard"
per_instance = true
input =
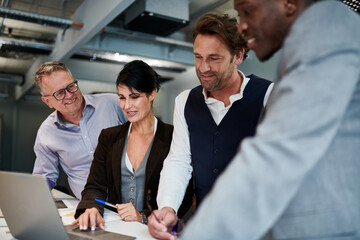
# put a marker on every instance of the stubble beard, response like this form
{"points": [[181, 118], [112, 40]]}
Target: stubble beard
{"points": [[211, 85]]}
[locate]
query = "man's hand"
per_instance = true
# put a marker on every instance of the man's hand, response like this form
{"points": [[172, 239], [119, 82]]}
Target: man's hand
{"points": [[159, 222], [128, 212], [91, 217]]}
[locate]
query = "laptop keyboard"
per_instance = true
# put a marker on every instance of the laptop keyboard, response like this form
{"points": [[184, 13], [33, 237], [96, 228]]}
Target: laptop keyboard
{"points": [[76, 237]]}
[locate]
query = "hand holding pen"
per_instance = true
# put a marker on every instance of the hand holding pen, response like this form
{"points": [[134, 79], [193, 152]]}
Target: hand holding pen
{"points": [[126, 211], [164, 224]]}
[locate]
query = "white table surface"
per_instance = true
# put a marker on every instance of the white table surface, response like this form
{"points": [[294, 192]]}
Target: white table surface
{"points": [[113, 222]]}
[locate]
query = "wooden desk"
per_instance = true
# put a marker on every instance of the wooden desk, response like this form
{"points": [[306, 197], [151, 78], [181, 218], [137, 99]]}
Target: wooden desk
{"points": [[113, 223]]}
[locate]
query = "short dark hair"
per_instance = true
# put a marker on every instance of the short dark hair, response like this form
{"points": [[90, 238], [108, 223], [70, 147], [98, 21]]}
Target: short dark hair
{"points": [[139, 76], [225, 27]]}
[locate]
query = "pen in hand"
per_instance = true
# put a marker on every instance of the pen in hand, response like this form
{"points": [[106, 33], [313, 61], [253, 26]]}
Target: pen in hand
{"points": [[157, 219], [105, 203], [174, 229]]}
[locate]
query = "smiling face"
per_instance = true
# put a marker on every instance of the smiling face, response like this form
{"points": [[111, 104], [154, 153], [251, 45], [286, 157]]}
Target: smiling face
{"points": [[136, 105], [73, 103], [264, 24], [213, 61]]}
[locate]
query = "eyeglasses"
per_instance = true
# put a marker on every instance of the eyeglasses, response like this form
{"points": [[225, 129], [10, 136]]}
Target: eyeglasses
{"points": [[60, 94]]}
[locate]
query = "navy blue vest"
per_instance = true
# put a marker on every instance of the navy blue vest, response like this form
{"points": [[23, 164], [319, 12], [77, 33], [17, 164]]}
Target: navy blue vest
{"points": [[213, 146]]}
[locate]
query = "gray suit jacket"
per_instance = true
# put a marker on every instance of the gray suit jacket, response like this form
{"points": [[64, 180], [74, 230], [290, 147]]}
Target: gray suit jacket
{"points": [[299, 177]]}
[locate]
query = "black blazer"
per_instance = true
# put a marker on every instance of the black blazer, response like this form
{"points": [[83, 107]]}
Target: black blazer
{"points": [[104, 180]]}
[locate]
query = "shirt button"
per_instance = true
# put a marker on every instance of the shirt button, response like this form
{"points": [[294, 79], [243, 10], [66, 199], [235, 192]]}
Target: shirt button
{"points": [[85, 136], [215, 170], [132, 200], [132, 189], [91, 152], [132, 177]]}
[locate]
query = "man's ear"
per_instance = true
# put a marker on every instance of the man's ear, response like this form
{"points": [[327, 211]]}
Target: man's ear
{"points": [[290, 6], [46, 101], [239, 57]]}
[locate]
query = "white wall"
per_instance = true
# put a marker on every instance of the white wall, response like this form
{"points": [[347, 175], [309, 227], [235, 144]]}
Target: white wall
{"points": [[267, 69], [165, 100]]}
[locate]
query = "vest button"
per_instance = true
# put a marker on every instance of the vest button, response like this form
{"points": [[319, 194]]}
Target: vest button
{"points": [[216, 151], [217, 134], [215, 170], [148, 197]]}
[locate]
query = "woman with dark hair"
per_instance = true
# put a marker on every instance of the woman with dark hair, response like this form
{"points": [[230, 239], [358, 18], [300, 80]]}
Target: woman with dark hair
{"points": [[128, 159]]}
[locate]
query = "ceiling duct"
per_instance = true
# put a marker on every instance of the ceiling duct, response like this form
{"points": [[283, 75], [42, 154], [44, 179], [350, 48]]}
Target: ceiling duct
{"points": [[158, 17], [38, 18], [93, 55], [11, 79], [8, 45], [20, 49]]}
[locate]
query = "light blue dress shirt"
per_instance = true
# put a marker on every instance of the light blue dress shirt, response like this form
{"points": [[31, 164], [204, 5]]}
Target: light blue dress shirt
{"points": [[73, 146]]}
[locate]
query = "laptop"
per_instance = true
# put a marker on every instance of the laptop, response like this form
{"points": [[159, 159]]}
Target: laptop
{"points": [[30, 211]]}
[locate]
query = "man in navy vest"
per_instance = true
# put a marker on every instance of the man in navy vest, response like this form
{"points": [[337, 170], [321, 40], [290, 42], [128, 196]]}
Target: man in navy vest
{"points": [[210, 120]]}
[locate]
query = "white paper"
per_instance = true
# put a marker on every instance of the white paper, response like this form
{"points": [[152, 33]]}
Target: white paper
{"points": [[111, 216]]}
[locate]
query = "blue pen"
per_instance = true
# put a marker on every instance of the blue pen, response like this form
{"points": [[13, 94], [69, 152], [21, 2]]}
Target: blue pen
{"points": [[105, 203]]}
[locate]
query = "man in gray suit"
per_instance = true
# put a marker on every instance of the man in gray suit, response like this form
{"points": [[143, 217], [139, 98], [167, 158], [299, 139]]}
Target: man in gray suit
{"points": [[299, 177]]}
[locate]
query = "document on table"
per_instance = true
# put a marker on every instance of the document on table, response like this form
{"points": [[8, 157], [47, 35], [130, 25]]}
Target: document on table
{"points": [[2, 222], [67, 215], [111, 216]]}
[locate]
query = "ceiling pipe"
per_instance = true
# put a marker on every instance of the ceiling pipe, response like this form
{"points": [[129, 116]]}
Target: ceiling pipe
{"points": [[16, 43], [208, 8], [42, 19], [11, 79], [102, 56], [146, 36], [63, 8], [3, 4], [88, 54]]}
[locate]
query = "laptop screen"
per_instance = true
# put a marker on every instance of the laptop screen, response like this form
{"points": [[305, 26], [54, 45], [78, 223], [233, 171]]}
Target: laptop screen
{"points": [[31, 213]]}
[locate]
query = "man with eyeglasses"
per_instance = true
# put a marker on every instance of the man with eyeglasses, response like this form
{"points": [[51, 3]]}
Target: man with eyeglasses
{"points": [[69, 135]]}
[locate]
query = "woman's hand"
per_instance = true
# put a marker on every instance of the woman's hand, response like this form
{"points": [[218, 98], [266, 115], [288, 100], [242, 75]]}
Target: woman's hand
{"points": [[91, 217], [128, 212]]}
